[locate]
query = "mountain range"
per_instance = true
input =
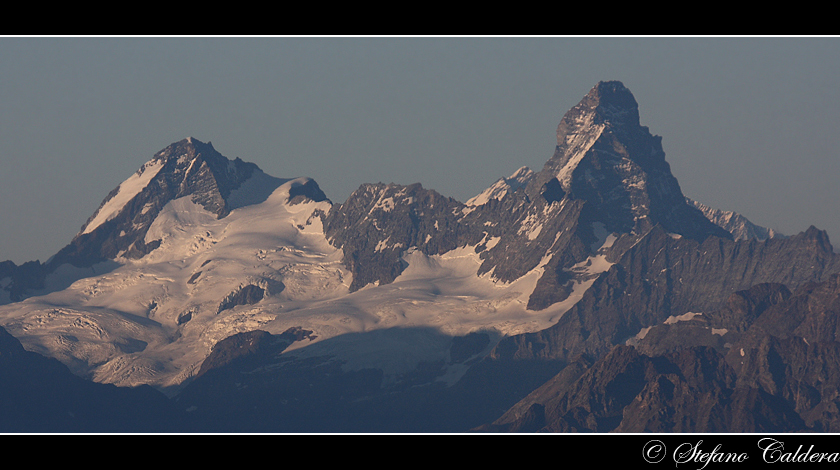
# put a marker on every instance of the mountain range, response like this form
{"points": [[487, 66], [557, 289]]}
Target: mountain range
{"points": [[204, 295]]}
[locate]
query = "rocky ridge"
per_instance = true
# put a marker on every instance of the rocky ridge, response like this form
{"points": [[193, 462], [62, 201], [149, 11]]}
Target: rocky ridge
{"points": [[736, 224], [763, 362]]}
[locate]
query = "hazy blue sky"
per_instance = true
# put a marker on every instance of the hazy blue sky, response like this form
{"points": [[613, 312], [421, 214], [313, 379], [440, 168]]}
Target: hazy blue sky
{"points": [[748, 124]]}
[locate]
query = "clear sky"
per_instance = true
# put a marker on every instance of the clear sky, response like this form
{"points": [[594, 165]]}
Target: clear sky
{"points": [[748, 124]]}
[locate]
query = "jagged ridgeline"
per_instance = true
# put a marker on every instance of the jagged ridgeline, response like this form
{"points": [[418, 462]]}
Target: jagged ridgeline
{"points": [[608, 175], [589, 296]]}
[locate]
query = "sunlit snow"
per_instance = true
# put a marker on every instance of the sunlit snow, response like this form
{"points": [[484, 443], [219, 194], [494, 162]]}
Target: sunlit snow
{"points": [[155, 319]]}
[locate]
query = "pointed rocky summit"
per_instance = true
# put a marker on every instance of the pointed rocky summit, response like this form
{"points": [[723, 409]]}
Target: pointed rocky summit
{"points": [[604, 156]]}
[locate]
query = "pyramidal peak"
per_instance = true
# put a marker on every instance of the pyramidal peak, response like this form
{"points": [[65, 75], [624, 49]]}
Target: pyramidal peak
{"points": [[609, 107], [607, 158]]}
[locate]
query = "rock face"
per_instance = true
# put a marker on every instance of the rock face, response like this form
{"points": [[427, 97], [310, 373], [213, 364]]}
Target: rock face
{"points": [[690, 390], [606, 158], [378, 223], [16, 280], [661, 276]]}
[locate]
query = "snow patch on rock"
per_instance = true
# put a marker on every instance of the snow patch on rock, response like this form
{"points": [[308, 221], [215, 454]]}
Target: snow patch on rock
{"points": [[126, 192]]}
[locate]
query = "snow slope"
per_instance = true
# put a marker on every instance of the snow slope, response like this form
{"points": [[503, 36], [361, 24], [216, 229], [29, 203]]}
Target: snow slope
{"points": [[153, 320]]}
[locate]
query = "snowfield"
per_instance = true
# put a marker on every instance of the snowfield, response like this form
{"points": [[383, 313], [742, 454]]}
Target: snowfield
{"points": [[154, 320]]}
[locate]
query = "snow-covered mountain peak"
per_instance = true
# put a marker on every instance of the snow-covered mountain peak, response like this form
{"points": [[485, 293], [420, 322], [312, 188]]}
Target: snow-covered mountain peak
{"points": [[152, 319], [521, 175], [177, 181], [503, 186], [183, 164]]}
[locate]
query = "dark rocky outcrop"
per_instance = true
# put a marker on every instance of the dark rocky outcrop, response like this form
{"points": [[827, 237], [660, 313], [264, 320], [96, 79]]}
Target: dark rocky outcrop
{"points": [[305, 191], [21, 279], [465, 347], [661, 276], [379, 222], [246, 295], [250, 344]]}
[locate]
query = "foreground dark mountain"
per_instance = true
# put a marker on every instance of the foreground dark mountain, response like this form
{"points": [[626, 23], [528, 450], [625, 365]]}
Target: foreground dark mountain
{"points": [[590, 296]]}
